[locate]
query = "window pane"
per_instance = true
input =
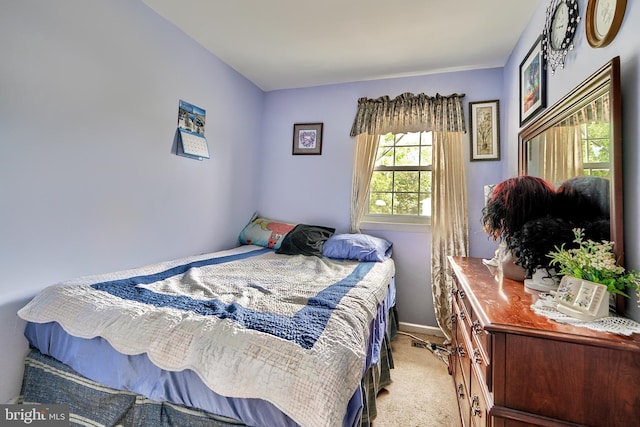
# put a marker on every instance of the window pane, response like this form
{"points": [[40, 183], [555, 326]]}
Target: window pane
{"points": [[387, 140], [381, 181], [406, 182], [400, 188], [405, 204], [408, 139], [425, 183], [380, 203], [407, 156], [384, 157], [425, 204], [426, 153], [597, 151], [598, 130]]}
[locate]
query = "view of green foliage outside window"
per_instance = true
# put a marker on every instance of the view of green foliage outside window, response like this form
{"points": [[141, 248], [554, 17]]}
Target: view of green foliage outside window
{"points": [[401, 181], [595, 149]]}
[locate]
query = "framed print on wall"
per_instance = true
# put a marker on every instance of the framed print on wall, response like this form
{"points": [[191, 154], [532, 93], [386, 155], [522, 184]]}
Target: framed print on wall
{"points": [[485, 130], [533, 83], [307, 138]]}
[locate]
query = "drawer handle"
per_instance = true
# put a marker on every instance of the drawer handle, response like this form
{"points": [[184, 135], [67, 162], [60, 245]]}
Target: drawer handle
{"points": [[475, 406], [460, 391], [476, 356], [461, 294], [454, 319], [477, 329], [461, 351], [462, 315]]}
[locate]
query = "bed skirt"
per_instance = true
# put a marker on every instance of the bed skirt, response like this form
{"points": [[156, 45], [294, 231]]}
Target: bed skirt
{"points": [[48, 381]]}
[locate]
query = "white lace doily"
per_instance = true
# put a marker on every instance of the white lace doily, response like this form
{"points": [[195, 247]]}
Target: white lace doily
{"points": [[546, 306]]}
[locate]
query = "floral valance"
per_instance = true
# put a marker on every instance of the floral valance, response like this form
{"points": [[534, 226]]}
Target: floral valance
{"points": [[409, 113]]}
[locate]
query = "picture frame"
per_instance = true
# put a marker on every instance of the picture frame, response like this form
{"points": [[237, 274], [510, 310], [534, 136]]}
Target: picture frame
{"points": [[485, 130], [307, 138], [533, 83]]}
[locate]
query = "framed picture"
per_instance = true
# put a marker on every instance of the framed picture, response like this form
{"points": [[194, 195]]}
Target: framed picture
{"points": [[307, 138], [485, 130], [533, 83]]}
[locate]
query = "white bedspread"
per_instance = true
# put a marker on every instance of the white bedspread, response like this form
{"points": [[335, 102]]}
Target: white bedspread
{"points": [[292, 330]]}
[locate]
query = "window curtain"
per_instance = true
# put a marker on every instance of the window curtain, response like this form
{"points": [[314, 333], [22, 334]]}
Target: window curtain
{"points": [[364, 162], [449, 220], [444, 116], [560, 147], [560, 150]]}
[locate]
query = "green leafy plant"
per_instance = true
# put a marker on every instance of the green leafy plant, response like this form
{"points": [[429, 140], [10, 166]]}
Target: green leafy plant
{"points": [[596, 262]]}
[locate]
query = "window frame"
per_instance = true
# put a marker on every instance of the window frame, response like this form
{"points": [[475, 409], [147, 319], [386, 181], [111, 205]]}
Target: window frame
{"points": [[400, 222], [586, 140]]}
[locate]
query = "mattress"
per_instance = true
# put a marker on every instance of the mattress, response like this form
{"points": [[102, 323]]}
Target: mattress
{"points": [[248, 334]]}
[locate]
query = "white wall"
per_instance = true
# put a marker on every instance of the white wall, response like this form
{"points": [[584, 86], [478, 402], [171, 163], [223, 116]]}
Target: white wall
{"points": [[89, 96]]}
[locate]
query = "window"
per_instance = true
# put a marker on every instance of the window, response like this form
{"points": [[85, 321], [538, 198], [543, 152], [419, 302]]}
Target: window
{"points": [[595, 149], [400, 189]]}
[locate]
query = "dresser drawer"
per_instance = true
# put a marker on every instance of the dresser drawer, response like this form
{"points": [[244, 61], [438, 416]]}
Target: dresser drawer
{"points": [[462, 346], [462, 392], [481, 338], [471, 317], [478, 348], [479, 400]]}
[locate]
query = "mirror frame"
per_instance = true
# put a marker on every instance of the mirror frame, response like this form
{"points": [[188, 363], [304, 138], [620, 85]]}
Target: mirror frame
{"points": [[606, 79]]}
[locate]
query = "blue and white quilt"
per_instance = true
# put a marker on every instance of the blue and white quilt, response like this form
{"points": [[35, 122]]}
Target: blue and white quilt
{"points": [[291, 330]]}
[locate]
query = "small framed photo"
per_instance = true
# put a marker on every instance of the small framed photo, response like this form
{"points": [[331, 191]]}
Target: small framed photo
{"points": [[485, 130], [533, 83], [307, 138]]}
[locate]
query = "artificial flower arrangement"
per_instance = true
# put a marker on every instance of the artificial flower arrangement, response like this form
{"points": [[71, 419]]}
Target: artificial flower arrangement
{"points": [[595, 262]]}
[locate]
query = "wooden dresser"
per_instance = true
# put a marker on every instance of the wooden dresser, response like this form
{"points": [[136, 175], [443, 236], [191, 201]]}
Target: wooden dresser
{"points": [[512, 367]]}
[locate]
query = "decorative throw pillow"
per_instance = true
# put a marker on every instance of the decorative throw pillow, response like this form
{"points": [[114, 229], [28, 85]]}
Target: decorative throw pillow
{"points": [[305, 240], [264, 232], [360, 247]]}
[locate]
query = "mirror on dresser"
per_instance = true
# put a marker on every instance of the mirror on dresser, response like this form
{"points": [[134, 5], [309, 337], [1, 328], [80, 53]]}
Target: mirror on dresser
{"points": [[581, 135]]}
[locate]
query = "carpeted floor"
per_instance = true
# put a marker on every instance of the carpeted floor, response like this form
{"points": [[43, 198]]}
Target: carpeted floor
{"points": [[421, 393]]}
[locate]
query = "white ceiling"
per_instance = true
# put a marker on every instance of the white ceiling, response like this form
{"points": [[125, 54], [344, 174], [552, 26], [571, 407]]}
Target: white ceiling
{"points": [[280, 44]]}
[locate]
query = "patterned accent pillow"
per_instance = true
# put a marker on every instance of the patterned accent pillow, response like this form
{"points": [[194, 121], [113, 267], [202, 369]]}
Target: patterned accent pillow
{"points": [[264, 232]]}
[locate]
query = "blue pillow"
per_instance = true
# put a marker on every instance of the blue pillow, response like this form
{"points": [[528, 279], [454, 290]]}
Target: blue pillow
{"points": [[359, 247]]}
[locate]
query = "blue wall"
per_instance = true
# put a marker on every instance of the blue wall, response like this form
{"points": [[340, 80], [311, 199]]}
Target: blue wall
{"points": [[89, 184], [317, 189], [89, 96], [581, 62]]}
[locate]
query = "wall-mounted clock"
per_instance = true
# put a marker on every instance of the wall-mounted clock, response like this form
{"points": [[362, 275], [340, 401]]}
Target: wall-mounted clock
{"points": [[604, 18], [559, 30]]}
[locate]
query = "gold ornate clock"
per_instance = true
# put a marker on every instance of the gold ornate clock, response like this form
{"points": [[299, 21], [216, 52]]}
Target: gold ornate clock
{"points": [[604, 18], [559, 30]]}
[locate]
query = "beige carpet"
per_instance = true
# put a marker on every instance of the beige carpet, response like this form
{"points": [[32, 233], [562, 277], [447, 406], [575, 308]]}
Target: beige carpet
{"points": [[421, 393]]}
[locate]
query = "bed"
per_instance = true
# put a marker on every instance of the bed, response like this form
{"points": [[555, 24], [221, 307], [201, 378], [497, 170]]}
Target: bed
{"points": [[289, 330]]}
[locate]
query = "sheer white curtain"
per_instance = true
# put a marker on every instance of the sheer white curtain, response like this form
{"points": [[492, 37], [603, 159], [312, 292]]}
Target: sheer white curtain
{"points": [[365, 160], [560, 150], [449, 220], [444, 116]]}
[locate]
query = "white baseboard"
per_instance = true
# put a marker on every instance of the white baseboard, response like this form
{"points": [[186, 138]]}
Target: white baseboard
{"points": [[420, 329]]}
